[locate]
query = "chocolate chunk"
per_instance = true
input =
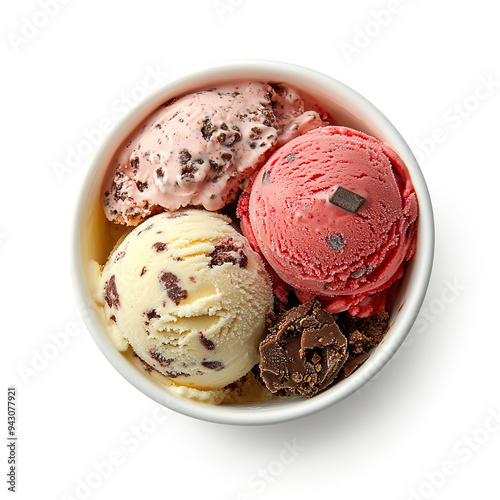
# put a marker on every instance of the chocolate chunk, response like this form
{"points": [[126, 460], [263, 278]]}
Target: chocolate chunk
{"points": [[184, 156], [303, 350], [160, 247], [206, 343], [119, 256], [336, 241], [207, 129], [346, 199], [228, 250], [255, 133], [160, 173], [113, 318], [134, 163], [188, 171], [152, 314], [111, 294], [174, 291], [216, 167], [141, 186], [364, 333], [213, 365], [158, 356]]}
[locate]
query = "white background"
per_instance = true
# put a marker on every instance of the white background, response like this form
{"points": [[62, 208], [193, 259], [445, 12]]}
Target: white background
{"points": [[433, 69]]}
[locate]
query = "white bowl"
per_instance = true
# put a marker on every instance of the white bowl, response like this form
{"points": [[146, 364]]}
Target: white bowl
{"points": [[349, 109]]}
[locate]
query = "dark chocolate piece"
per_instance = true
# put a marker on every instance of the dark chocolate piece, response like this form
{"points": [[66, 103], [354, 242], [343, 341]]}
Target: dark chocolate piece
{"points": [[335, 241], [174, 291], [158, 356], [111, 293], [228, 250], [346, 199], [119, 256], [213, 365], [303, 350], [206, 343], [152, 314], [160, 247]]}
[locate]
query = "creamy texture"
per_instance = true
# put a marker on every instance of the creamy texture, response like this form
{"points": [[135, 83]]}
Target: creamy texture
{"points": [[321, 249], [177, 289], [198, 149]]}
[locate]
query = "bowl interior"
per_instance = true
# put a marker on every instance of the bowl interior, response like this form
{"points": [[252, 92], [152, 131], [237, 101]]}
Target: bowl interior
{"points": [[95, 237]]}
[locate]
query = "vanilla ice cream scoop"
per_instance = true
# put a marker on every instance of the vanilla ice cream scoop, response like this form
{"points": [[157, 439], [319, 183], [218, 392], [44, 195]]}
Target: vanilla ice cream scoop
{"points": [[188, 294]]}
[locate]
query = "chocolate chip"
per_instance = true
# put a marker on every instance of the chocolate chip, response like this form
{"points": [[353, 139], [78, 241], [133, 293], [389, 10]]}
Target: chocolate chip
{"points": [[207, 129], [184, 156], [144, 271], [213, 365], [134, 163], [228, 250], [347, 200], [113, 318], [160, 173], [206, 343], [216, 167], [119, 256], [158, 356], [269, 117], [188, 171], [255, 133], [152, 314], [111, 294], [335, 241], [141, 186], [159, 247], [173, 290], [266, 177]]}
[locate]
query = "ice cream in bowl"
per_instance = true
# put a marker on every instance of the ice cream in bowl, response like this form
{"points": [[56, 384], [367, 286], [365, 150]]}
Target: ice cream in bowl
{"points": [[253, 243]]}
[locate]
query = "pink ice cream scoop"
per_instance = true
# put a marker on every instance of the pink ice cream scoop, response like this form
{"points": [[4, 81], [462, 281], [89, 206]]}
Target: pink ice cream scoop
{"points": [[333, 212], [199, 148]]}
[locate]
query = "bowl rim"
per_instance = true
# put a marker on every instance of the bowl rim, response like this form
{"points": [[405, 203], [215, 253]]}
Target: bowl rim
{"points": [[422, 261]]}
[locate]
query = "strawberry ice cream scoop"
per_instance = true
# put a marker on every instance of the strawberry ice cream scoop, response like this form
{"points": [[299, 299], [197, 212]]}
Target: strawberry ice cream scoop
{"points": [[333, 212]]}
